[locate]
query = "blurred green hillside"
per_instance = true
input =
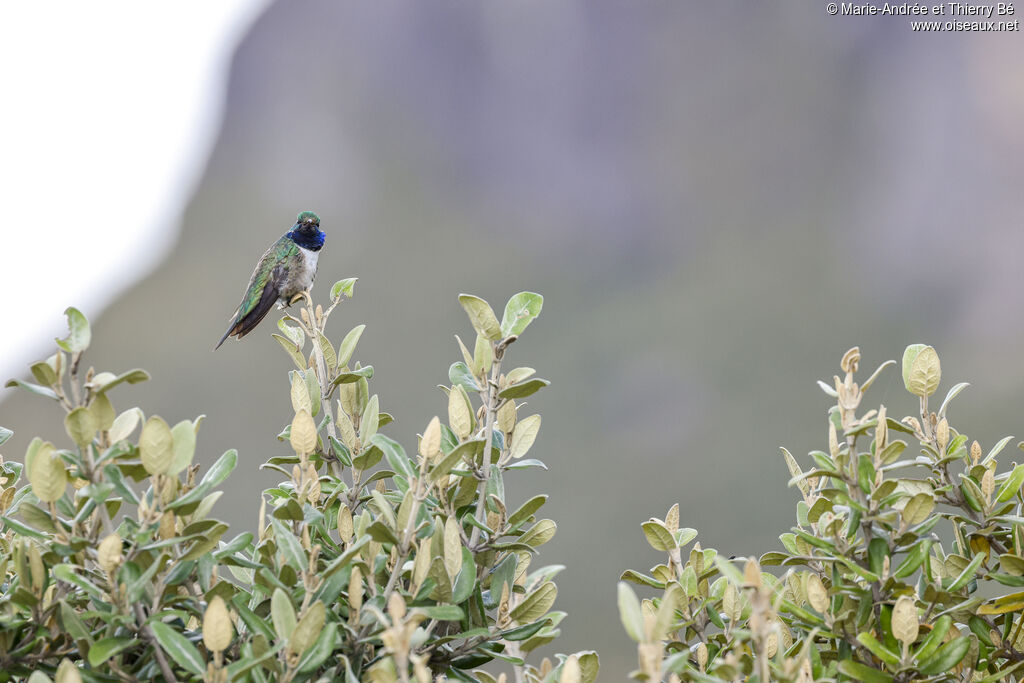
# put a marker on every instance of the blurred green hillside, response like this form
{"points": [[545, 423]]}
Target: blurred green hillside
{"points": [[716, 200]]}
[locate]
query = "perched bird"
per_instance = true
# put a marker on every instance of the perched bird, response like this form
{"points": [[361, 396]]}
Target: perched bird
{"points": [[285, 271]]}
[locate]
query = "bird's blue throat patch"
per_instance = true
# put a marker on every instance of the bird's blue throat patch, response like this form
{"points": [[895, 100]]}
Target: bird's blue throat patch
{"points": [[307, 241]]}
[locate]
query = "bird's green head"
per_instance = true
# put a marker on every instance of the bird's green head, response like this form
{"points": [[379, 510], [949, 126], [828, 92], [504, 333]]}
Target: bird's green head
{"points": [[307, 219]]}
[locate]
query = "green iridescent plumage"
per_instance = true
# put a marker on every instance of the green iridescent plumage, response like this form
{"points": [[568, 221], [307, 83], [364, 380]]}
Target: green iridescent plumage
{"points": [[284, 251], [285, 270]]}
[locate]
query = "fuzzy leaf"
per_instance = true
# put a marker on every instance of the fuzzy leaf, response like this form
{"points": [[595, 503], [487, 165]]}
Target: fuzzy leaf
{"points": [[79, 334], [178, 647], [156, 446], [481, 316], [520, 311]]}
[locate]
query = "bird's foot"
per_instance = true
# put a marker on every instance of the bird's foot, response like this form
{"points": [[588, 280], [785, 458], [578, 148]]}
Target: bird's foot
{"points": [[297, 298]]}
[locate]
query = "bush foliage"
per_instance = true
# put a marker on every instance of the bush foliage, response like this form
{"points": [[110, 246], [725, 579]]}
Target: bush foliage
{"points": [[371, 565], [904, 564], [367, 564]]}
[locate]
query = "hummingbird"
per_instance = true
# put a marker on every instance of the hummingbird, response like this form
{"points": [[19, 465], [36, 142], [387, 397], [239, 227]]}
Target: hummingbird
{"points": [[285, 271]]}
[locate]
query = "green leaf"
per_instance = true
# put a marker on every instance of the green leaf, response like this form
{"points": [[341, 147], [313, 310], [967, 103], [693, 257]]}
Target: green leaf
{"points": [[878, 649], [947, 656], [972, 492], [384, 507], [1001, 675], [353, 376], [289, 347], [103, 412], [178, 647], [483, 354], [330, 357], [526, 510], [525, 631], [891, 452], [481, 316], [1012, 485], [1007, 579], [73, 624], [313, 388], [934, 638], [380, 532], [184, 435], [442, 612], [524, 389], [32, 388], [292, 333], [104, 649], [658, 535], [289, 546], [536, 604], [520, 311], [316, 655], [918, 509], [282, 613], [878, 550], [345, 287], [921, 370], [22, 529], [369, 422], [206, 542], [967, 574], [863, 672], [79, 334], [395, 455], [865, 472], [1012, 564], [523, 436], [525, 464], [541, 532], [465, 580], [589, 665], [460, 375], [5, 434], [46, 471], [348, 345], [156, 446], [996, 449], [215, 475], [44, 373], [131, 377], [950, 395], [80, 425], [308, 627], [629, 612], [238, 668], [368, 458], [468, 450], [913, 560]]}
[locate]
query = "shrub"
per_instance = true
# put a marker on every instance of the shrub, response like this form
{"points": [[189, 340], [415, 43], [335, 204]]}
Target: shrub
{"points": [[901, 567], [367, 564]]}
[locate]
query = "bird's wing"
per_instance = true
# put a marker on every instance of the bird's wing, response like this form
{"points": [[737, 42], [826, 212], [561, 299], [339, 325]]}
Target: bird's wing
{"points": [[264, 288]]}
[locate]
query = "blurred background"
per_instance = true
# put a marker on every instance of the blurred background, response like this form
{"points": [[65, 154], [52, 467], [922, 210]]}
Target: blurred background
{"points": [[716, 200]]}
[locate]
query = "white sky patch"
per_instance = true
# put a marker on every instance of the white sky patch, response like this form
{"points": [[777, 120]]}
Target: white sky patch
{"points": [[109, 113]]}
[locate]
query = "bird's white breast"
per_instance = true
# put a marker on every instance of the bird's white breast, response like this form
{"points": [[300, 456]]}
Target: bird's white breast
{"points": [[309, 258]]}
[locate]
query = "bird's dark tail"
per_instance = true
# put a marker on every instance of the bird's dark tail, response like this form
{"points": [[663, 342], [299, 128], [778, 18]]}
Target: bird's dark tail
{"points": [[245, 324], [226, 335]]}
